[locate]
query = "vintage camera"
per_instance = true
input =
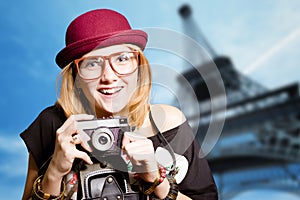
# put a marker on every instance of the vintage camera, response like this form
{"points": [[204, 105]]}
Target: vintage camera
{"points": [[105, 135]]}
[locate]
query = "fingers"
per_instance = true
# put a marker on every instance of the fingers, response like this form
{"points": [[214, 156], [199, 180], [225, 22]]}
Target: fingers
{"points": [[69, 127], [68, 137], [69, 131], [139, 146], [75, 139], [142, 157], [131, 137], [84, 156], [84, 138], [126, 140], [140, 152]]}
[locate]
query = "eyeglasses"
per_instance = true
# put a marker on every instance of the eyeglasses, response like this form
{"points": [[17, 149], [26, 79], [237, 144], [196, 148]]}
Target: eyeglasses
{"points": [[122, 63]]}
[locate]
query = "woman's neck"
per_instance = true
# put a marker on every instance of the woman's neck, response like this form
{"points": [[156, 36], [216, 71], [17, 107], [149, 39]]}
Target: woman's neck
{"points": [[101, 113]]}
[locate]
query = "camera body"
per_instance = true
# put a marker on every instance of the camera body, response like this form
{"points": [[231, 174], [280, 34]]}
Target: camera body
{"points": [[105, 135]]}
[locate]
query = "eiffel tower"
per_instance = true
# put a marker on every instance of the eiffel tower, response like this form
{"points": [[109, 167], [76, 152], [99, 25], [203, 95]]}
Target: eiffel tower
{"points": [[259, 146]]}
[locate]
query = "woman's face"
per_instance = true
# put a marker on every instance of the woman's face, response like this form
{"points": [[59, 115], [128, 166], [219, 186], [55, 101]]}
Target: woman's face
{"points": [[109, 92]]}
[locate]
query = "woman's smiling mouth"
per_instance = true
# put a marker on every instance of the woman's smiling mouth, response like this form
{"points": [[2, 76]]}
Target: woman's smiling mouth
{"points": [[110, 91]]}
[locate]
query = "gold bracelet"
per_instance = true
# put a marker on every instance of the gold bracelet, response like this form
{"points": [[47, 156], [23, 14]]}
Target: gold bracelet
{"points": [[173, 191], [151, 188], [148, 188], [37, 192]]}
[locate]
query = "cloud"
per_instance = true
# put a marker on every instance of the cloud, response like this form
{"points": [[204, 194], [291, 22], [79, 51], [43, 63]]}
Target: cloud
{"points": [[13, 156], [11, 144], [273, 51], [257, 38]]}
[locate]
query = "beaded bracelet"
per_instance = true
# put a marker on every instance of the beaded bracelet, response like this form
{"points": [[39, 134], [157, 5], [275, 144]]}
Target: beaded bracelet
{"points": [[173, 192], [148, 188], [37, 192]]}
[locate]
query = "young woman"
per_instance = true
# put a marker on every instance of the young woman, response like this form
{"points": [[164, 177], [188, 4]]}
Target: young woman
{"points": [[106, 75]]}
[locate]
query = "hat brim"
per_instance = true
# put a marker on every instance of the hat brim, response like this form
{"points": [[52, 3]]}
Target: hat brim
{"points": [[78, 49]]}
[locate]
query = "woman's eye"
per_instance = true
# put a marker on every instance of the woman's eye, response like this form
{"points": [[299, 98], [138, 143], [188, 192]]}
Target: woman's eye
{"points": [[92, 63], [123, 57]]}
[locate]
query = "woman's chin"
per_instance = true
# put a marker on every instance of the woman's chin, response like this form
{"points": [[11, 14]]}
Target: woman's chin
{"points": [[116, 110]]}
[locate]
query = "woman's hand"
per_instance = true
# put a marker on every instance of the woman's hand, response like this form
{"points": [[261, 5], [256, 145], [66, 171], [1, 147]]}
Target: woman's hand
{"points": [[65, 150], [140, 152]]}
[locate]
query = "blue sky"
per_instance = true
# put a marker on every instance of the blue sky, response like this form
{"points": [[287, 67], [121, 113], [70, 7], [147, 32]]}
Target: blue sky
{"points": [[262, 37]]}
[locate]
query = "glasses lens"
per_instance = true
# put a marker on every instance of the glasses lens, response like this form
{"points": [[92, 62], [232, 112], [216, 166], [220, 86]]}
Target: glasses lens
{"points": [[122, 63], [91, 67], [125, 62]]}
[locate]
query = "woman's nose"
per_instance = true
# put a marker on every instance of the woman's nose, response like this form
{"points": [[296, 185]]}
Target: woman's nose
{"points": [[108, 73]]}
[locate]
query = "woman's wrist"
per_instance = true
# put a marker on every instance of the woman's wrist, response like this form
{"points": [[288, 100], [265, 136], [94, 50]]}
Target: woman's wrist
{"points": [[54, 171], [38, 192], [172, 192], [51, 184], [156, 178], [164, 187], [162, 190], [52, 181]]}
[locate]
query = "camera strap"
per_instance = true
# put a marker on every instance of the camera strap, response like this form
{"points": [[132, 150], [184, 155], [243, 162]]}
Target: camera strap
{"points": [[164, 140]]}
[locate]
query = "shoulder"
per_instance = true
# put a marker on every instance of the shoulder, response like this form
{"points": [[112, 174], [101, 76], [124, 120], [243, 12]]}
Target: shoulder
{"points": [[51, 116], [52, 112], [39, 136], [167, 117]]}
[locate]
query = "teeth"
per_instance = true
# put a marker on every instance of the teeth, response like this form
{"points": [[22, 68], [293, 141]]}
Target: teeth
{"points": [[109, 91]]}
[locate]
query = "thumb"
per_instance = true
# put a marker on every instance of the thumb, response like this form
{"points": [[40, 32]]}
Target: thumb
{"points": [[127, 139]]}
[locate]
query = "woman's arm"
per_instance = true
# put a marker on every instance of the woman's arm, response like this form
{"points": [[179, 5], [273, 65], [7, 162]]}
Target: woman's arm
{"points": [[141, 152], [182, 196], [65, 152]]}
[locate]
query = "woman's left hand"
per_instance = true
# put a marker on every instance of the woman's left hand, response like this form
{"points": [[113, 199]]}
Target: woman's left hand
{"points": [[141, 154]]}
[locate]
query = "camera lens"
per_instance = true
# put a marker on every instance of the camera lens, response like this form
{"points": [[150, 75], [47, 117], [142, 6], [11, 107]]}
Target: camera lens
{"points": [[103, 140]]}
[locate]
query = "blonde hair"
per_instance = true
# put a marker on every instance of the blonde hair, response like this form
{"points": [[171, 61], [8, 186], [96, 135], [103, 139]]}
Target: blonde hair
{"points": [[73, 102]]}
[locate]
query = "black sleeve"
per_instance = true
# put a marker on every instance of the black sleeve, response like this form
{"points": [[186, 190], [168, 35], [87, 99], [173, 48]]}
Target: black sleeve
{"points": [[198, 182], [39, 137]]}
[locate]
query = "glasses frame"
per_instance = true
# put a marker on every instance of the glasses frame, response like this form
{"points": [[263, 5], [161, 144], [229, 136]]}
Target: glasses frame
{"points": [[136, 53]]}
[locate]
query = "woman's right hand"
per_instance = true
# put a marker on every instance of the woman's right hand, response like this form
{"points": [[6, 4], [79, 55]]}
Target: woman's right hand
{"points": [[65, 153], [65, 150]]}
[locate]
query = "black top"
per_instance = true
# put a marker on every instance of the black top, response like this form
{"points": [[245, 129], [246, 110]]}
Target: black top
{"points": [[198, 183]]}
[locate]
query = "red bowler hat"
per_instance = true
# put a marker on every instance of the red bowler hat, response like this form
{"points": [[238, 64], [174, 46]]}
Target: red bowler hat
{"points": [[95, 29]]}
